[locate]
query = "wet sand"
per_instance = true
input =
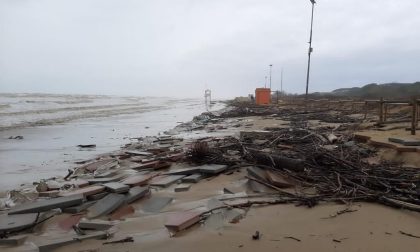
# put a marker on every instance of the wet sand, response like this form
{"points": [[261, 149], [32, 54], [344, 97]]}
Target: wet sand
{"points": [[48, 151]]}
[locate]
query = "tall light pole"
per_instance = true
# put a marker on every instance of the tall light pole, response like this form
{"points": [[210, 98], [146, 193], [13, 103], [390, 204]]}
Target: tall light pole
{"points": [[310, 50], [281, 81], [271, 65]]}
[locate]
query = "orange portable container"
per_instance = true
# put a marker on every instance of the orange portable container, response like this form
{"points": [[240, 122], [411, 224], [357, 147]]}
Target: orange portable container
{"points": [[262, 96]]}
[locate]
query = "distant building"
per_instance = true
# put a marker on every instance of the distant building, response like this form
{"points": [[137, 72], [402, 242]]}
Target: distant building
{"points": [[263, 96]]}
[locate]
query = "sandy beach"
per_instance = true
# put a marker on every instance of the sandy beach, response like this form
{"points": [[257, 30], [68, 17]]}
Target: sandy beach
{"points": [[367, 227]]}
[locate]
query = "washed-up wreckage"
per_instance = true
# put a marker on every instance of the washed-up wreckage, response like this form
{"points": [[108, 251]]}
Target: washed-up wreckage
{"points": [[298, 165]]}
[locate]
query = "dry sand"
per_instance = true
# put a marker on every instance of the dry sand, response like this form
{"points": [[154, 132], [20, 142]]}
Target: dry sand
{"points": [[371, 228]]}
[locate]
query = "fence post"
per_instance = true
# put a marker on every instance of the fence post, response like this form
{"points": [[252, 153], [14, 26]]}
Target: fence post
{"points": [[366, 110], [381, 110], [414, 116]]}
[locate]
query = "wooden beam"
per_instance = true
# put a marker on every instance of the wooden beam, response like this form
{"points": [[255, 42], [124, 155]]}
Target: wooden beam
{"points": [[381, 110], [414, 117]]}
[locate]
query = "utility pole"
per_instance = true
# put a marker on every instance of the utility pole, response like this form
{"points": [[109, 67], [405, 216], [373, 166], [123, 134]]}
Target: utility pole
{"points": [[281, 81], [310, 51], [271, 65]]}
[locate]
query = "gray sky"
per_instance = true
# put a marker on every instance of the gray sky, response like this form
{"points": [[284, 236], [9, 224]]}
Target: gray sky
{"points": [[177, 47]]}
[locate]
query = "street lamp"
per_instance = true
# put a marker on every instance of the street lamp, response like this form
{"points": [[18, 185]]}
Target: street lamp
{"points": [[281, 81], [310, 50], [271, 65]]}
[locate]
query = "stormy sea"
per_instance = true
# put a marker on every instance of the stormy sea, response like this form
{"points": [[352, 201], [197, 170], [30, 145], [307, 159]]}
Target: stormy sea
{"points": [[40, 133]]}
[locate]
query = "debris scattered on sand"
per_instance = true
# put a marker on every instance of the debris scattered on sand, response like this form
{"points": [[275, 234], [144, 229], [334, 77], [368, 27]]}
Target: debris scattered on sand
{"points": [[16, 137], [256, 236], [86, 145], [409, 235], [293, 238], [293, 164], [127, 239]]}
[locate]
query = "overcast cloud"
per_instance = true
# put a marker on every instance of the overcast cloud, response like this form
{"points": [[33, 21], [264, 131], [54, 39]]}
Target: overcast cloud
{"points": [[177, 47]]}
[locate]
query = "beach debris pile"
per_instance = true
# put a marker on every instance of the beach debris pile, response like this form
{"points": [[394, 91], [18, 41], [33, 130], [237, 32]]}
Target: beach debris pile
{"points": [[287, 113], [102, 191], [334, 166]]}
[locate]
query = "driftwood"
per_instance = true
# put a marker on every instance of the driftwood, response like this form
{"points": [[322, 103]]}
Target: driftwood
{"points": [[276, 161], [335, 174]]}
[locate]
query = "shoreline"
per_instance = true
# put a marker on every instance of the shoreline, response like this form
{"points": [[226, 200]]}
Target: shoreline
{"points": [[47, 150], [367, 227]]}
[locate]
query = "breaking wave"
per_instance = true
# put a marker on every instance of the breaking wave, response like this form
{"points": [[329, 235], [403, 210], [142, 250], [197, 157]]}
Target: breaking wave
{"points": [[29, 110]]}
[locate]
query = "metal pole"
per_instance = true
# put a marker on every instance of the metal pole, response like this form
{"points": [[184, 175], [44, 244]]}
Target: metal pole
{"points": [[271, 65], [381, 110], [310, 51], [414, 116], [265, 83], [281, 81]]}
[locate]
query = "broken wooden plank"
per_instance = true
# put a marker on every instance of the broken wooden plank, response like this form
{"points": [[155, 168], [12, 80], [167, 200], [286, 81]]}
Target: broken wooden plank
{"points": [[174, 157], [13, 240], [257, 173], [411, 142], [149, 165], [233, 189], [98, 225], [78, 209], [162, 165], [85, 191], [182, 187], [103, 164], [106, 180], [194, 178], [185, 171], [17, 222], [278, 179], [181, 221], [106, 205], [137, 180], [106, 174], [45, 205], [139, 153], [79, 183], [116, 187], [136, 193], [56, 243], [159, 149], [49, 194], [165, 181], [212, 169], [407, 148], [86, 145], [68, 223], [155, 204], [396, 140], [98, 196]]}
